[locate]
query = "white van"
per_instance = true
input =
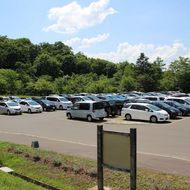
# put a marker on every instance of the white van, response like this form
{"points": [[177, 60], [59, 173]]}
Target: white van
{"points": [[89, 110], [60, 102]]}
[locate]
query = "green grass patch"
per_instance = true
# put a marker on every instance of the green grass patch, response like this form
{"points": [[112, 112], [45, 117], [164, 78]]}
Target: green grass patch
{"points": [[9, 182], [74, 173]]}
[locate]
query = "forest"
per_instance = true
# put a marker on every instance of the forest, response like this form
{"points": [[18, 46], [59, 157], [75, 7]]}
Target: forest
{"points": [[42, 69]]}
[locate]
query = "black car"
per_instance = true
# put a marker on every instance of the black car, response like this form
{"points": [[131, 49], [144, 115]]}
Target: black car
{"points": [[46, 105], [111, 106], [184, 110], [173, 112]]}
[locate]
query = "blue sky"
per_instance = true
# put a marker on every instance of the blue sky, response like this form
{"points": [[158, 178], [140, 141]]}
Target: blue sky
{"points": [[109, 29]]}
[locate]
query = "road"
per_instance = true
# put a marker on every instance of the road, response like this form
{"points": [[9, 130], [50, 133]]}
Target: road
{"points": [[163, 147]]}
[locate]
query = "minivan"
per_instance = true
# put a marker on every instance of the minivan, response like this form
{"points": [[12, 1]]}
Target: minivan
{"points": [[60, 102], [143, 111], [90, 110]]}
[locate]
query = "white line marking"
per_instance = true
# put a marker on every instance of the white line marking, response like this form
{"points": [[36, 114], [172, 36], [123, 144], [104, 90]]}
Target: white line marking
{"points": [[165, 156], [47, 138], [89, 145]]}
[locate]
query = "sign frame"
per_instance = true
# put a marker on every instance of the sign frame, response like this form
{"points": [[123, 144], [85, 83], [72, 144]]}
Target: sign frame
{"points": [[133, 157]]}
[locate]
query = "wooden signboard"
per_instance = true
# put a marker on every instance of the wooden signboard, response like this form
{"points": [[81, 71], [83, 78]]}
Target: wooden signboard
{"points": [[116, 151]]}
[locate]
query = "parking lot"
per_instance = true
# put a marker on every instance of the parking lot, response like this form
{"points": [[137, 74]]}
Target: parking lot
{"points": [[163, 146]]}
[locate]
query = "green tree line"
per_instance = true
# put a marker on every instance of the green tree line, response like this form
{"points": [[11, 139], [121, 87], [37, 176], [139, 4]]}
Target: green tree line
{"points": [[42, 69]]}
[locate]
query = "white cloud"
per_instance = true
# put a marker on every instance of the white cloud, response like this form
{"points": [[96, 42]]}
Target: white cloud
{"points": [[86, 42], [129, 52], [72, 17]]}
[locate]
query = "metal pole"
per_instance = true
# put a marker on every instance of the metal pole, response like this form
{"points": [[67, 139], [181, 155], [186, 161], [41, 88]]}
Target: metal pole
{"points": [[133, 148], [100, 157]]}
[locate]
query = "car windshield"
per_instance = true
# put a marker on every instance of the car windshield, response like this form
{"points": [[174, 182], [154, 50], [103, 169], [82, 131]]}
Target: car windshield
{"points": [[98, 106], [12, 104], [63, 99], [188, 100], [94, 98], [33, 103], [165, 105], [154, 108], [86, 98], [109, 98], [176, 103], [46, 101]]}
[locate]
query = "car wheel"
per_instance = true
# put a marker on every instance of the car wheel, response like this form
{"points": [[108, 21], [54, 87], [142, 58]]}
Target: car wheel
{"points": [[89, 118], [61, 107], [69, 116], [153, 119], [29, 111], [44, 109], [101, 118], [8, 112], [128, 117]]}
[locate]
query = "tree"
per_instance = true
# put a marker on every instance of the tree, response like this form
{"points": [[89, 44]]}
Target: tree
{"points": [[181, 70], [148, 74], [67, 64], [46, 65], [9, 83], [168, 81], [43, 87]]}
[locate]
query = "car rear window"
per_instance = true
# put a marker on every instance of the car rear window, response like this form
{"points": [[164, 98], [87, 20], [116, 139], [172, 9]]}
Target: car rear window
{"points": [[98, 106]]}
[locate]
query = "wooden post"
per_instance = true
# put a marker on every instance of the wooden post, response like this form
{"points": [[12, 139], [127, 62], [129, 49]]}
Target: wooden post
{"points": [[133, 147], [100, 157]]}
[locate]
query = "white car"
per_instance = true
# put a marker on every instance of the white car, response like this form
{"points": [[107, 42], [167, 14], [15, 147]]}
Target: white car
{"points": [[30, 106], [90, 110], [10, 107], [144, 111], [60, 102]]}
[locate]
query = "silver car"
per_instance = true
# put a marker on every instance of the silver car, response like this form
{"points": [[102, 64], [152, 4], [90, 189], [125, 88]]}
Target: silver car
{"points": [[10, 107]]}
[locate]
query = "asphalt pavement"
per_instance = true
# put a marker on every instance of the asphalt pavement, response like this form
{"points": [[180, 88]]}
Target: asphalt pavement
{"points": [[163, 147]]}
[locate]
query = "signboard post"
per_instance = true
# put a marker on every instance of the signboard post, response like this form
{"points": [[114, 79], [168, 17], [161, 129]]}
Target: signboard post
{"points": [[116, 151]]}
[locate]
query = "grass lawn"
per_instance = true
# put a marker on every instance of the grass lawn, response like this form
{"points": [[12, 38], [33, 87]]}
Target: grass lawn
{"points": [[9, 182], [73, 173]]}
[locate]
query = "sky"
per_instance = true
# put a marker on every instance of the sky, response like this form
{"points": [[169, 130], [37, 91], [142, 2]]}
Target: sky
{"points": [[115, 30]]}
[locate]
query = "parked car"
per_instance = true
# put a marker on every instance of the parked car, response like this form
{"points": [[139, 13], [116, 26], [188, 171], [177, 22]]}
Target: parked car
{"points": [[74, 99], [4, 98], [173, 112], [182, 100], [10, 107], [46, 104], [115, 105], [184, 110], [109, 106], [60, 102], [30, 106], [90, 110], [180, 95], [154, 98], [144, 111], [15, 98]]}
